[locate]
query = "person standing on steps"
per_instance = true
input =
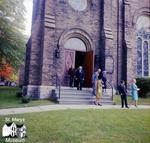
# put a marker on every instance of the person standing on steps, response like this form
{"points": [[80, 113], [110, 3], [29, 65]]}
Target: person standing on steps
{"points": [[80, 77], [71, 73], [98, 88], [94, 81]]}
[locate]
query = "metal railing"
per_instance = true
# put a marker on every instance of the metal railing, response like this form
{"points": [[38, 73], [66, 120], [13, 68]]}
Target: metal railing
{"points": [[112, 89], [58, 84]]}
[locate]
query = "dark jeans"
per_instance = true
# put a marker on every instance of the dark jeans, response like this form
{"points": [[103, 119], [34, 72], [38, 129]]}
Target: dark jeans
{"points": [[94, 89], [79, 84], [71, 81], [124, 100]]}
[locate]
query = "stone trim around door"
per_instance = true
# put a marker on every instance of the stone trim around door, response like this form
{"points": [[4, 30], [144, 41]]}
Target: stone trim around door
{"points": [[78, 33]]}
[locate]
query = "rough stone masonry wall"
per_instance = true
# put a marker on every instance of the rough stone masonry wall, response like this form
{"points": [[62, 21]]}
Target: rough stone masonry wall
{"points": [[49, 44], [110, 31]]}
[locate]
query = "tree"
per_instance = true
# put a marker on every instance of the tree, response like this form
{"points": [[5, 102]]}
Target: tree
{"points": [[6, 71], [12, 41]]}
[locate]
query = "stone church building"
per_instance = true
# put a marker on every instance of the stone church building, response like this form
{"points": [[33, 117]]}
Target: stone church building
{"points": [[111, 34]]}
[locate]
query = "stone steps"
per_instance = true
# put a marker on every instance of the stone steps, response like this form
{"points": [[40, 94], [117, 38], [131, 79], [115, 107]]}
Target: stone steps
{"points": [[74, 96]]}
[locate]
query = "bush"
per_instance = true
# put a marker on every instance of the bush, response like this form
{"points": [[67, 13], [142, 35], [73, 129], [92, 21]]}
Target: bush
{"points": [[19, 94], [26, 99], [53, 96], [144, 85]]}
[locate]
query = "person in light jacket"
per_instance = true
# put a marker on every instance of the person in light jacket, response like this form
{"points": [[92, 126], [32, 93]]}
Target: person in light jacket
{"points": [[134, 92]]}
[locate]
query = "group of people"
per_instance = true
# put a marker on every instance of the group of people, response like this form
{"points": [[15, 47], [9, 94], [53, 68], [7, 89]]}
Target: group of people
{"points": [[123, 93], [76, 77], [99, 85], [98, 81]]}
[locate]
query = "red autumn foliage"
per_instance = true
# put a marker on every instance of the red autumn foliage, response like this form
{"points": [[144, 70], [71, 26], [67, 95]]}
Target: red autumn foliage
{"points": [[6, 71]]}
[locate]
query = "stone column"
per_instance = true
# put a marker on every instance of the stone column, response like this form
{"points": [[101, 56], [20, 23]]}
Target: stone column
{"points": [[109, 49], [34, 51], [48, 68], [36, 46], [129, 38]]}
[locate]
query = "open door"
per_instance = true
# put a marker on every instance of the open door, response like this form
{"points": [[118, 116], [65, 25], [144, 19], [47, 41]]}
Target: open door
{"points": [[69, 61], [88, 67]]}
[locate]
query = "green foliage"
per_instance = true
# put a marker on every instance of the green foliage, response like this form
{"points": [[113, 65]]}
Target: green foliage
{"points": [[12, 41], [54, 97], [144, 85], [19, 94], [26, 99]]}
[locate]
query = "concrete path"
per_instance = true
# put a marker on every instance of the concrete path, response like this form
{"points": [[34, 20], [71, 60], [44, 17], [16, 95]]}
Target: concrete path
{"points": [[23, 110]]}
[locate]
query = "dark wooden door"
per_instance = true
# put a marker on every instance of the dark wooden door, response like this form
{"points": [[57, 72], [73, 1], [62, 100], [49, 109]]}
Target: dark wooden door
{"points": [[69, 61], [88, 67]]}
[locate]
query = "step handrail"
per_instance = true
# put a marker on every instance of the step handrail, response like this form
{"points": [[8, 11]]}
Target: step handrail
{"points": [[58, 85], [112, 90]]}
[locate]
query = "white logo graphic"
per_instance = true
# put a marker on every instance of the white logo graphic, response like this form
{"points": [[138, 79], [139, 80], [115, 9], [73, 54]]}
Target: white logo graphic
{"points": [[13, 130]]}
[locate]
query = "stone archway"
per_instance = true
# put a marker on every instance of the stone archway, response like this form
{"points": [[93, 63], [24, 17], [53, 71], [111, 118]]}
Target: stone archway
{"points": [[77, 49], [138, 13], [78, 33]]}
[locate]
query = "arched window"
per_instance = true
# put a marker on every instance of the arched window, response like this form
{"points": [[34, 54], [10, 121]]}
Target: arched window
{"points": [[143, 46]]}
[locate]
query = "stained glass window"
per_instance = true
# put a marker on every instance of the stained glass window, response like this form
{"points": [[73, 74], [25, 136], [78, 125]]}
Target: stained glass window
{"points": [[143, 46], [145, 58], [139, 57]]}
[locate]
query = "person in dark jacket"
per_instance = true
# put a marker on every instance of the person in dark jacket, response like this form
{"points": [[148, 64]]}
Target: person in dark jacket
{"points": [[71, 73], [123, 94], [80, 77]]}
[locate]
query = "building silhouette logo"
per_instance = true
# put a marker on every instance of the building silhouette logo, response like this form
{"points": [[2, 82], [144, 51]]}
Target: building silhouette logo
{"points": [[12, 130]]}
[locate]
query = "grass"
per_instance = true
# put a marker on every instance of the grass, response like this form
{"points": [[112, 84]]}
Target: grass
{"points": [[87, 126], [8, 99], [141, 101]]}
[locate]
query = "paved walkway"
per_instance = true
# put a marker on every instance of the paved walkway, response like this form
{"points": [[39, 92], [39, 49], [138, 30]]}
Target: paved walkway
{"points": [[63, 107]]}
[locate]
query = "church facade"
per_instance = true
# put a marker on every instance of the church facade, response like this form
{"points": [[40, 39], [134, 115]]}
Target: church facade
{"points": [[113, 35]]}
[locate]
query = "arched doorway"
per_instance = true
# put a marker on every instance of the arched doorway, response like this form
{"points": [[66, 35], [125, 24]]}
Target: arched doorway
{"points": [[78, 51]]}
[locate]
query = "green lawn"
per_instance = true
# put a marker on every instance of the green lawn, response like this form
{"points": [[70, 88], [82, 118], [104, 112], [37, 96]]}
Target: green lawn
{"points": [[87, 126], [141, 101], [8, 99]]}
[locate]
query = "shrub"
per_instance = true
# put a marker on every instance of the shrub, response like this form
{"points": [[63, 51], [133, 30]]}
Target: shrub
{"points": [[144, 85], [19, 94], [26, 99], [53, 96]]}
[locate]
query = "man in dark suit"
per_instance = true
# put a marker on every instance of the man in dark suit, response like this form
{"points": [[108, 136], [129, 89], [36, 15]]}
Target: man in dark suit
{"points": [[80, 77], [123, 94]]}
